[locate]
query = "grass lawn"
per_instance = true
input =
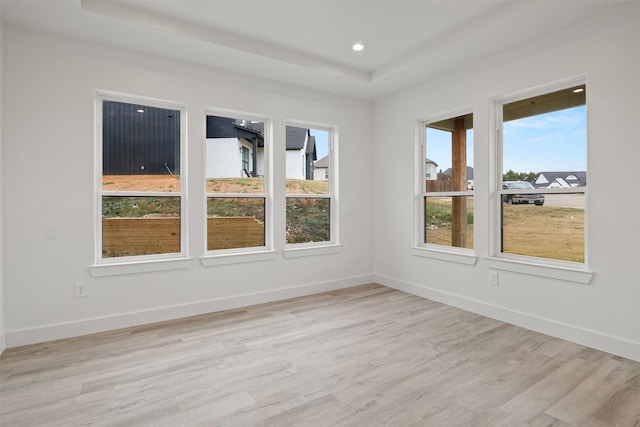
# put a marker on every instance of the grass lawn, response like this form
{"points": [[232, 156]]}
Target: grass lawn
{"points": [[539, 231]]}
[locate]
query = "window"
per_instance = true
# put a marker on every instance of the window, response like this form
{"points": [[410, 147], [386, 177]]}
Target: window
{"points": [[235, 182], [543, 174], [310, 173], [140, 194], [445, 192]]}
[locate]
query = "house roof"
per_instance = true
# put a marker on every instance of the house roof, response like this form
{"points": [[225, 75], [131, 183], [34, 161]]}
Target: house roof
{"points": [[251, 126], [296, 137], [323, 162], [227, 127], [568, 176], [431, 161], [469, 172]]}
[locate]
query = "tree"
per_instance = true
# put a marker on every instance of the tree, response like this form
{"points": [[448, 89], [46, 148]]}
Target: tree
{"points": [[510, 175]]}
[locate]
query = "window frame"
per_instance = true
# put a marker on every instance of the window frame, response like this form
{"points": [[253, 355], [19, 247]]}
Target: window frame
{"points": [[333, 244], [102, 265], [420, 247], [545, 267], [246, 254]]}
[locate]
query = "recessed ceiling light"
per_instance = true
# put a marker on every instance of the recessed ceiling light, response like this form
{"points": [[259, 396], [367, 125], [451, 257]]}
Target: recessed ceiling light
{"points": [[140, 110], [578, 90], [357, 47]]}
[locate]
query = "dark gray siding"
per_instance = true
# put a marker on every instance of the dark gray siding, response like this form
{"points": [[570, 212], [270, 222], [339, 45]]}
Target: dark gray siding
{"points": [[135, 143]]}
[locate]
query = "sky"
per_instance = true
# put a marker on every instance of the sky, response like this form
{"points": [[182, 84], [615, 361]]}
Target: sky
{"points": [[439, 148], [543, 143], [322, 142]]}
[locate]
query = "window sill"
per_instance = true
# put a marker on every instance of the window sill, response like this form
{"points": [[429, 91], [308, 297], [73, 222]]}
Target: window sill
{"points": [[462, 256], [302, 251], [104, 270], [237, 258], [566, 273]]}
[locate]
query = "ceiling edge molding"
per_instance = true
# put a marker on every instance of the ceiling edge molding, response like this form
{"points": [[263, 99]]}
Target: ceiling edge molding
{"points": [[229, 40]]}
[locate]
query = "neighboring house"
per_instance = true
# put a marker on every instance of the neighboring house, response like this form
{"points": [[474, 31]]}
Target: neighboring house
{"points": [[235, 148], [300, 152], [140, 140], [560, 179], [449, 171], [431, 169], [321, 169]]}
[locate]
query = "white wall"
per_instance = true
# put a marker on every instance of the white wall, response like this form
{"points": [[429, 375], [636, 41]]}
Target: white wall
{"points": [[295, 164], [49, 182], [224, 159], [604, 313]]}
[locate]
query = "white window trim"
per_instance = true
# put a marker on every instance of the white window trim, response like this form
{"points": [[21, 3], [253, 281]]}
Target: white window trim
{"points": [[249, 254], [543, 267], [421, 249], [140, 263], [295, 250], [135, 266]]}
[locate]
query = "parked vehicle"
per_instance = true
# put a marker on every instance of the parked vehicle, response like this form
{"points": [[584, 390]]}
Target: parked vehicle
{"points": [[512, 199]]}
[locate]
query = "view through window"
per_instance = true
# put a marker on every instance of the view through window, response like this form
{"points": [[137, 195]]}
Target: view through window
{"points": [[235, 182], [544, 175], [308, 189], [141, 193], [447, 177]]}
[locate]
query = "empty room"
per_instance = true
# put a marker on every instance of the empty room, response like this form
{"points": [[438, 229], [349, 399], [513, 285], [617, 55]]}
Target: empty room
{"points": [[320, 213]]}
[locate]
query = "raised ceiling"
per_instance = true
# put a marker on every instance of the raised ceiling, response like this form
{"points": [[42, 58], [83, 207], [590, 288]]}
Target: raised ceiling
{"points": [[308, 42]]}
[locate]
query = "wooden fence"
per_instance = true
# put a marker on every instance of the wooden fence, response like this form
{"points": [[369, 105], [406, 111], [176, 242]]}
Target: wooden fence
{"points": [[439, 185]]}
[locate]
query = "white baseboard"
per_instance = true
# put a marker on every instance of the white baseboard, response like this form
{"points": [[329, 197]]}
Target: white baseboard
{"points": [[123, 320], [607, 343]]}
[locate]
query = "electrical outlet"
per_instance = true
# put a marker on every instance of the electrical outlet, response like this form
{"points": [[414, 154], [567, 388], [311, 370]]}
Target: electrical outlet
{"points": [[50, 233], [81, 290], [493, 278]]}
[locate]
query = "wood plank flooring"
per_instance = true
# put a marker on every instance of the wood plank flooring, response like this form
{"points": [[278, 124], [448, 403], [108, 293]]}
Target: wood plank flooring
{"points": [[365, 356]]}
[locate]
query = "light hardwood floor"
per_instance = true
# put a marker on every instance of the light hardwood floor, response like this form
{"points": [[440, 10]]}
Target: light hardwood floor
{"points": [[365, 356]]}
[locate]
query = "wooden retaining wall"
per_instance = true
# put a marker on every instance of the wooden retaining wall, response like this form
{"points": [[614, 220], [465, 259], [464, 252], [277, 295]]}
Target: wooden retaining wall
{"points": [[144, 236], [234, 232]]}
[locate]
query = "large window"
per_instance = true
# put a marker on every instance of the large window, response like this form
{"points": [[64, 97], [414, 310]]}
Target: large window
{"points": [[543, 174], [310, 173], [446, 182], [235, 182], [140, 193]]}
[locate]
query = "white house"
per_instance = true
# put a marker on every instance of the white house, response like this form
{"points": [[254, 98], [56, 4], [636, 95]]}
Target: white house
{"points": [[234, 148], [431, 169], [321, 169], [300, 153], [561, 179]]}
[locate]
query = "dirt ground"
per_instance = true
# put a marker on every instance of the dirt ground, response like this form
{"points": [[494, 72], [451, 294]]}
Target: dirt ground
{"points": [[169, 183], [161, 183]]}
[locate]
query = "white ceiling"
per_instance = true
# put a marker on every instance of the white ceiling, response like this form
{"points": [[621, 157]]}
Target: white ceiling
{"points": [[307, 42]]}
